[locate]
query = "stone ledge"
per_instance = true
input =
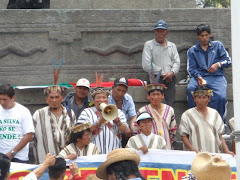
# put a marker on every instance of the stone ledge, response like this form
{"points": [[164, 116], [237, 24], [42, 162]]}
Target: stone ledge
{"points": [[139, 94]]}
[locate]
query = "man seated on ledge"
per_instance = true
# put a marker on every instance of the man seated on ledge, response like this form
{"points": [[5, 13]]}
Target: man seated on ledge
{"points": [[159, 54], [206, 63]]}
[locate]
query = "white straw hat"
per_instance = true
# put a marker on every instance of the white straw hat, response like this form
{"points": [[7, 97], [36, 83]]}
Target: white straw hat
{"points": [[210, 167]]}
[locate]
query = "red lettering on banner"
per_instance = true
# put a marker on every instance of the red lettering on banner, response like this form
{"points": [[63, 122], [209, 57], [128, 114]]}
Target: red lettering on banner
{"points": [[180, 173], [167, 174], [234, 176], [150, 173]]}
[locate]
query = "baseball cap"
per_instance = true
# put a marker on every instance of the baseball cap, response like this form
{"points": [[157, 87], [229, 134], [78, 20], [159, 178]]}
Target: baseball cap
{"points": [[144, 115], [121, 81], [161, 24], [83, 82]]}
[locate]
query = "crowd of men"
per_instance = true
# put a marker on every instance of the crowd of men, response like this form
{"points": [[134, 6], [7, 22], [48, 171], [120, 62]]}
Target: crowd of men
{"points": [[75, 126]]}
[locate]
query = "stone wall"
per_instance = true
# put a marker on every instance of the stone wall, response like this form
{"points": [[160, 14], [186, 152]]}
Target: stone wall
{"points": [[89, 41], [113, 4]]}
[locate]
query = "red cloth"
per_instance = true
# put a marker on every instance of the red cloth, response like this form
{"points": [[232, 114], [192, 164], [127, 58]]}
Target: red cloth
{"points": [[76, 177], [131, 82]]}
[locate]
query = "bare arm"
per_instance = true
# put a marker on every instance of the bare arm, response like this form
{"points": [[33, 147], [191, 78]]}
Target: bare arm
{"points": [[26, 139], [74, 170], [121, 126], [187, 143], [225, 148], [49, 161], [131, 122]]}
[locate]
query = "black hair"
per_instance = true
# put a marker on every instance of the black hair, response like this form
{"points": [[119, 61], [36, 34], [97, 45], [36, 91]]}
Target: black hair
{"points": [[138, 122], [7, 89], [152, 90], [54, 88], [203, 27], [201, 88], [122, 169], [4, 165], [75, 136], [58, 169]]}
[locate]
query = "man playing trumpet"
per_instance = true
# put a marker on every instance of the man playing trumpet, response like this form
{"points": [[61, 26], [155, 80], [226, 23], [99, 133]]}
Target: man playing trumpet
{"points": [[106, 134]]}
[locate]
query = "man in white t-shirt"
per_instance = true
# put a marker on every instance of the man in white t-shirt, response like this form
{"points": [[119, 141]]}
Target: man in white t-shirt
{"points": [[16, 126]]}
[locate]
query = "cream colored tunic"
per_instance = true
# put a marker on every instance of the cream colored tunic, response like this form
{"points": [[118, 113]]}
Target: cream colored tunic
{"points": [[51, 132], [204, 134], [156, 142], [90, 149]]}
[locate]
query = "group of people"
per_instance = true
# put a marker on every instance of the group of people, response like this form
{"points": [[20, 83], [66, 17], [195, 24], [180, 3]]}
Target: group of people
{"points": [[75, 126]]}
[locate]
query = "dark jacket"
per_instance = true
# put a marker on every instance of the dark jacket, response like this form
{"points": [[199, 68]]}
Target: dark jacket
{"points": [[197, 63], [70, 103]]}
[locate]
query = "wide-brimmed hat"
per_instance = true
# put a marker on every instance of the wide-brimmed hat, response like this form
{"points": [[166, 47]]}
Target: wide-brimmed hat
{"points": [[117, 155], [210, 167]]}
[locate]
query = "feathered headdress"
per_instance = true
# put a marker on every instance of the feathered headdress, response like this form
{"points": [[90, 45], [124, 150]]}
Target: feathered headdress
{"points": [[154, 82], [56, 72], [99, 89]]}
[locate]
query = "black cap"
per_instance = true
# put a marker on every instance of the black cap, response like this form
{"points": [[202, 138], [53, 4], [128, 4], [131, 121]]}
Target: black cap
{"points": [[121, 81]]}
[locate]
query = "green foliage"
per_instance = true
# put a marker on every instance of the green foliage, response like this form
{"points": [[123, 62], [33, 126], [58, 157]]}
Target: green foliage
{"points": [[213, 3]]}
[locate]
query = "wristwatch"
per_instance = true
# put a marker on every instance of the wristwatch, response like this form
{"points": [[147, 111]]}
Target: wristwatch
{"points": [[13, 153]]}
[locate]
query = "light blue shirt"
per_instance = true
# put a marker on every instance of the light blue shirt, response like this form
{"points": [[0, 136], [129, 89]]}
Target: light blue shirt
{"points": [[128, 106]]}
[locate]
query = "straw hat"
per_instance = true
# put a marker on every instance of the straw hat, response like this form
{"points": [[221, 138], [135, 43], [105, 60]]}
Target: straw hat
{"points": [[80, 127], [117, 155], [210, 167]]}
